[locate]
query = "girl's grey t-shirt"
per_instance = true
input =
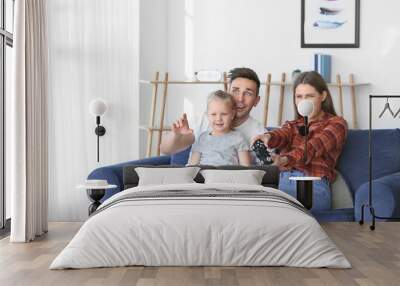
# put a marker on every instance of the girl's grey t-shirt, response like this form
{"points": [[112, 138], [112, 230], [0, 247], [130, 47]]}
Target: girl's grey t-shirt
{"points": [[222, 149]]}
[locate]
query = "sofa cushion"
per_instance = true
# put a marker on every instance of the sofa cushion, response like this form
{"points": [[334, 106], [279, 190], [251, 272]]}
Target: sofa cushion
{"points": [[385, 197], [342, 198], [353, 163]]}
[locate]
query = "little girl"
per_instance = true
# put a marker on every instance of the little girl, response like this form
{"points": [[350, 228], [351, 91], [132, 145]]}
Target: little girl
{"points": [[221, 144]]}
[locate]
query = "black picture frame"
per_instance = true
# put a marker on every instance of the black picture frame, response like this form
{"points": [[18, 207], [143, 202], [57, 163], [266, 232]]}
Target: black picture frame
{"points": [[354, 44]]}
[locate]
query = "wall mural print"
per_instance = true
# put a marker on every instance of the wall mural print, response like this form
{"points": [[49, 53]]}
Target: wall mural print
{"points": [[330, 23]]}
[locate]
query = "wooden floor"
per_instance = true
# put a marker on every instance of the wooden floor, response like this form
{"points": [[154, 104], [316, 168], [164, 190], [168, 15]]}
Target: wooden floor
{"points": [[374, 255]]}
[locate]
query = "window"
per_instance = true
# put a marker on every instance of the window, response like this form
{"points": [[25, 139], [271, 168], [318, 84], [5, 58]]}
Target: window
{"points": [[6, 44]]}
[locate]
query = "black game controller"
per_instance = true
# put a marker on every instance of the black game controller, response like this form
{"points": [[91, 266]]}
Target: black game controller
{"points": [[261, 152]]}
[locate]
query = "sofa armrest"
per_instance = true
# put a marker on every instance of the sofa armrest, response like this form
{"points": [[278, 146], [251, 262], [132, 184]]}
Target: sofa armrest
{"points": [[385, 197], [113, 173]]}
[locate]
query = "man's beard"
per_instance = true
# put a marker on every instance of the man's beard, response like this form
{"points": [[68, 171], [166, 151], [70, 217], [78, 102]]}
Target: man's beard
{"points": [[240, 117], [242, 113]]}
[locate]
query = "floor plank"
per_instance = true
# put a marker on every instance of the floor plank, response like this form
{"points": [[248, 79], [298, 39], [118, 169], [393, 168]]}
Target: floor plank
{"points": [[374, 255]]}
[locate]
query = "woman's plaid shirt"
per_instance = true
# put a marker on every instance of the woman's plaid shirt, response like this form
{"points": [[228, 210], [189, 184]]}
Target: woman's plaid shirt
{"points": [[325, 142]]}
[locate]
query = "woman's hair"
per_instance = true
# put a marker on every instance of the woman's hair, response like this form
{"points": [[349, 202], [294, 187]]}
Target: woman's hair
{"points": [[315, 80], [221, 95]]}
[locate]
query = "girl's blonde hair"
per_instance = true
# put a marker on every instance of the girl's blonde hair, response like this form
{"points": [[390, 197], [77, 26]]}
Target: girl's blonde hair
{"points": [[221, 95]]}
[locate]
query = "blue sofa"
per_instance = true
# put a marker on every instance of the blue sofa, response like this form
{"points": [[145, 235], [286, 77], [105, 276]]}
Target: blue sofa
{"points": [[353, 165]]}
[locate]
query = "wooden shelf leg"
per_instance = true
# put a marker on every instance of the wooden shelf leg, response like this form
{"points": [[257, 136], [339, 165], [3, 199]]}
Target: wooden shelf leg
{"points": [[267, 95], [353, 100], [340, 86], [163, 103], [152, 114], [281, 99], [225, 82]]}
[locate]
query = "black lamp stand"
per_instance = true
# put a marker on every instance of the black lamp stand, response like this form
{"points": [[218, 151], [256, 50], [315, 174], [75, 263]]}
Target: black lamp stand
{"points": [[304, 188], [304, 193], [369, 205], [100, 131], [95, 195]]}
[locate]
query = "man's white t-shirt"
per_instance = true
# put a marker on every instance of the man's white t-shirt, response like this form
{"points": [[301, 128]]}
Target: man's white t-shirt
{"points": [[250, 128]]}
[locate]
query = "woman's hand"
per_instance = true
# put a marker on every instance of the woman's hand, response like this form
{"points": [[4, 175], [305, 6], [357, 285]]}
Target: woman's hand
{"points": [[280, 161], [263, 137]]}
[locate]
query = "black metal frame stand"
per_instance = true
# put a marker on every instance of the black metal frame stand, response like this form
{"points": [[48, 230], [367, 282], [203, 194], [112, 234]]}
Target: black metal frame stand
{"points": [[95, 195], [304, 188], [304, 193], [369, 205]]}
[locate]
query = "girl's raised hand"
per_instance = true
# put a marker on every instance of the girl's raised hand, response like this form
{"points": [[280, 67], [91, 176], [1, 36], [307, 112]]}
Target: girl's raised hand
{"points": [[181, 126]]}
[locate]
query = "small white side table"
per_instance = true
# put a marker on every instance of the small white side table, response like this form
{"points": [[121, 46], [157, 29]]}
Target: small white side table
{"points": [[304, 190], [95, 194]]}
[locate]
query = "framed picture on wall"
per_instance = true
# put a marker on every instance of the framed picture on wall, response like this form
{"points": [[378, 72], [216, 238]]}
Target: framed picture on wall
{"points": [[330, 23]]}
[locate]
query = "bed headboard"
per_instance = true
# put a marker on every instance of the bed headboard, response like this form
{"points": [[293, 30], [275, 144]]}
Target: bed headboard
{"points": [[270, 179]]}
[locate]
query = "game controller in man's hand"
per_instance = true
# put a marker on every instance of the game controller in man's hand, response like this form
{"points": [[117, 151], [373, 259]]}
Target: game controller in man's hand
{"points": [[261, 152]]}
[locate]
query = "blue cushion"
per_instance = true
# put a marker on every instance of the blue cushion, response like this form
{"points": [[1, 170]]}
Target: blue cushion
{"points": [[386, 156], [385, 197], [181, 158]]}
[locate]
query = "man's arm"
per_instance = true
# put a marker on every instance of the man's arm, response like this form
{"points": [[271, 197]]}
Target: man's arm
{"points": [[180, 137], [172, 143]]}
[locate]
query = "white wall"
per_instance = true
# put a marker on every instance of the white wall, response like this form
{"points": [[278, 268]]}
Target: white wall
{"points": [[265, 35], [153, 55], [100, 48], [94, 52]]}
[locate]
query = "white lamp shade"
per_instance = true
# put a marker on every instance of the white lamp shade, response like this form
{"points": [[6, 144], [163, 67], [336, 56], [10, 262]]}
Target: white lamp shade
{"points": [[97, 107], [305, 107]]}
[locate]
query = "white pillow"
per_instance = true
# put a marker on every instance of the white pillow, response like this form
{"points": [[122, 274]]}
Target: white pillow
{"points": [[164, 176], [249, 177]]}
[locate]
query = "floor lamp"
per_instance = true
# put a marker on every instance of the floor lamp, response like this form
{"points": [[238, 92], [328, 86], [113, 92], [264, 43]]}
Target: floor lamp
{"points": [[97, 108]]}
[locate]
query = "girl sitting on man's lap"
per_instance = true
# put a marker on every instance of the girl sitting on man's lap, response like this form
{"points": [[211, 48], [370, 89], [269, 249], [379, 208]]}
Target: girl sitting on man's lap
{"points": [[221, 144]]}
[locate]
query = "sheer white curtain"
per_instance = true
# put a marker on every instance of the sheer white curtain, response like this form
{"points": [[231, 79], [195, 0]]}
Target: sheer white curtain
{"points": [[28, 121], [93, 53]]}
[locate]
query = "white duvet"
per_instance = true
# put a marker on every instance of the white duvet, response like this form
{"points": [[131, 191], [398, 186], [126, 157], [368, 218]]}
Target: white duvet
{"points": [[200, 231]]}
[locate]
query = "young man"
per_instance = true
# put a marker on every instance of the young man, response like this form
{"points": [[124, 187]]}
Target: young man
{"points": [[244, 86]]}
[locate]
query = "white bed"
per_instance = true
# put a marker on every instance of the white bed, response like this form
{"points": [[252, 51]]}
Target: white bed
{"points": [[183, 230]]}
